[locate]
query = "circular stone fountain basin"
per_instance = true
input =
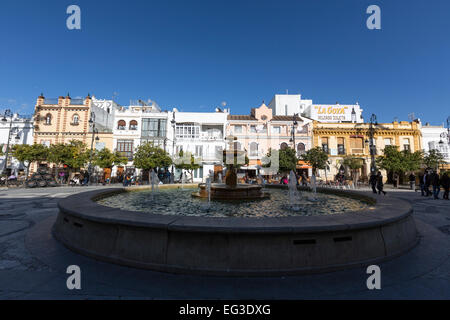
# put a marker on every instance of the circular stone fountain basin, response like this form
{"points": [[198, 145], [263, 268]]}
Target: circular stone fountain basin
{"points": [[236, 245]]}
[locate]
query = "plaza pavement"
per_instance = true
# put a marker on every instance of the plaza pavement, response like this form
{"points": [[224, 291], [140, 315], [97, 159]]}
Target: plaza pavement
{"points": [[33, 264]]}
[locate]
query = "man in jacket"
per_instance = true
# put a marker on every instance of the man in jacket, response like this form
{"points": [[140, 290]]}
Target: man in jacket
{"points": [[436, 184]]}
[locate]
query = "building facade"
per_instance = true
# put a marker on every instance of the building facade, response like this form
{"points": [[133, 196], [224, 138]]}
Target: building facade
{"points": [[290, 104], [21, 133], [348, 139], [435, 138], [64, 119], [260, 131], [201, 134]]}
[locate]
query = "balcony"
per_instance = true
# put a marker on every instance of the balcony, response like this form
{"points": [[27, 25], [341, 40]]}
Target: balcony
{"points": [[357, 151]]}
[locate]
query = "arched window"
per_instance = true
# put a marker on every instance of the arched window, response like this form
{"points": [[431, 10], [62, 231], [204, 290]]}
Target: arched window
{"points": [[301, 149], [75, 119], [284, 146], [133, 125], [121, 125], [253, 149], [48, 119], [237, 145]]}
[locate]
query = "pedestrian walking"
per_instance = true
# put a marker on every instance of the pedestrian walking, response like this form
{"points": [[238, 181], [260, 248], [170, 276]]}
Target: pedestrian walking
{"points": [[422, 185], [427, 182], [373, 182], [380, 183], [412, 181], [445, 183], [435, 182]]}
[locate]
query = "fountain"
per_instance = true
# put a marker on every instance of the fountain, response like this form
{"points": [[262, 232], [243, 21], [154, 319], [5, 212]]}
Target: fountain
{"points": [[294, 194], [154, 180], [231, 190], [313, 198]]}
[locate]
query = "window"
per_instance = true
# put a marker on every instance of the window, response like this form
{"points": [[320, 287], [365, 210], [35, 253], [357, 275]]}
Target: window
{"points": [[75, 119], [48, 119], [125, 148], [263, 117], [121, 124], [188, 131], [301, 149], [284, 146], [199, 151], [133, 125], [356, 145], [154, 128], [341, 145], [387, 142], [276, 129], [325, 145], [237, 129], [237, 145], [45, 143], [253, 149], [253, 129], [406, 145]]}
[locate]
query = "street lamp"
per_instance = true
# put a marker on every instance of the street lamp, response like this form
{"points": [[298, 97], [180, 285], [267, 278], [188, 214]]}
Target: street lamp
{"points": [[373, 120], [174, 123], [94, 132], [294, 126], [9, 114]]}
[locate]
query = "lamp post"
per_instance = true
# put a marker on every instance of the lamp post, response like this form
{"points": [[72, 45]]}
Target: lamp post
{"points": [[94, 132], [9, 114], [445, 135], [174, 123], [294, 126], [373, 121]]}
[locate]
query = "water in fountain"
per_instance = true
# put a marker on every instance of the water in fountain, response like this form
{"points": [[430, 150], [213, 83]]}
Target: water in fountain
{"points": [[182, 180], [154, 182], [313, 188], [294, 194]]}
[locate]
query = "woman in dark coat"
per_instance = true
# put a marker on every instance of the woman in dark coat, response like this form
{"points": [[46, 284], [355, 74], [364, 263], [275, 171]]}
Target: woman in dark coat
{"points": [[445, 182], [380, 183]]}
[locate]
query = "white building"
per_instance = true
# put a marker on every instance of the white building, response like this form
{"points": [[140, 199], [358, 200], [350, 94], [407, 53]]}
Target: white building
{"points": [[21, 133], [432, 140], [290, 104], [203, 135], [134, 125]]}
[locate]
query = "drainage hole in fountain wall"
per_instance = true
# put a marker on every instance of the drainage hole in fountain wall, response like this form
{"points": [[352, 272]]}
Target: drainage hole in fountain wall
{"points": [[304, 241], [342, 239]]}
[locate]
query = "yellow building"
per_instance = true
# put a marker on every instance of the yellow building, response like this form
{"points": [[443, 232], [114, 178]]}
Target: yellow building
{"points": [[64, 119], [353, 139]]}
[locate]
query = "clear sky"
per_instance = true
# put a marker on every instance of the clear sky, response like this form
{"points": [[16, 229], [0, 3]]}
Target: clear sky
{"points": [[194, 54]]}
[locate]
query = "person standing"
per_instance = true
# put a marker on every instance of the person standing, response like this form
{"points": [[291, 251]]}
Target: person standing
{"points": [[422, 185], [436, 184], [412, 181], [380, 183], [445, 182], [427, 182], [373, 182]]}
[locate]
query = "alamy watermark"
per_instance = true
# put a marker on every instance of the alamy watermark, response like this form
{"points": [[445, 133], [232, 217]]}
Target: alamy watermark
{"points": [[73, 22], [374, 20]]}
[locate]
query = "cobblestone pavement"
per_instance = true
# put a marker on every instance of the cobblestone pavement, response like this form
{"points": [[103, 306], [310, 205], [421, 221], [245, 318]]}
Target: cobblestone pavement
{"points": [[33, 265]]}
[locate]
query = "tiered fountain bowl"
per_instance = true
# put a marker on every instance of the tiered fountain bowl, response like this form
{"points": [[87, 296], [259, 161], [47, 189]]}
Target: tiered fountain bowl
{"points": [[231, 190]]}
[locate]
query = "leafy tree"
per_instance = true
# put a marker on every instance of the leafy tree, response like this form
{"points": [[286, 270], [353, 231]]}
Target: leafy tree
{"points": [[28, 154], [106, 159], [398, 162], [316, 157], [149, 157], [187, 162], [354, 164], [433, 159], [73, 155], [287, 159]]}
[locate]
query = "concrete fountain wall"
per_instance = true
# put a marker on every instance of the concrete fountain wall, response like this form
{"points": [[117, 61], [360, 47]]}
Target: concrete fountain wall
{"points": [[236, 246]]}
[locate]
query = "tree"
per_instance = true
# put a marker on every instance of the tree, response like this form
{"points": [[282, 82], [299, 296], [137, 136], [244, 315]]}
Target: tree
{"points": [[187, 162], [73, 155], [316, 157], [354, 164], [28, 154], [149, 157], [433, 159], [106, 159], [398, 162], [287, 159]]}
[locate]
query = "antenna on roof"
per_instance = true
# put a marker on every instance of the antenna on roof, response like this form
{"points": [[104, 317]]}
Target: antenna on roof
{"points": [[411, 116]]}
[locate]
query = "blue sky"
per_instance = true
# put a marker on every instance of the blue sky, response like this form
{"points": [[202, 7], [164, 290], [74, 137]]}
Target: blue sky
{"points": [[194, 54]]}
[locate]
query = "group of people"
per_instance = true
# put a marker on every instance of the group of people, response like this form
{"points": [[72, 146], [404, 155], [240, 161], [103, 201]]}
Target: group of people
{"points": [[376, 182], [432, 178]]}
